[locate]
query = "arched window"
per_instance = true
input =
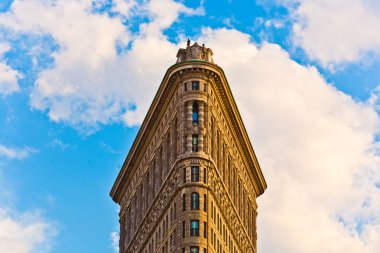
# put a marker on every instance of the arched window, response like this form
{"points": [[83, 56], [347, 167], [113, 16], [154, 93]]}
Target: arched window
{"points": [[194, 201], [195, 112]]}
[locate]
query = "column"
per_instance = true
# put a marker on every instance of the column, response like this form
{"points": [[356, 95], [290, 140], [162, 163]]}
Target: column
{"points": [[141, 202], [147, 190], [213, 137], [164, 155], [174, 140], [183, 127], [189, 126], [159, 168], [200, 126], [154, 177], [122, 232], [218, 150]]}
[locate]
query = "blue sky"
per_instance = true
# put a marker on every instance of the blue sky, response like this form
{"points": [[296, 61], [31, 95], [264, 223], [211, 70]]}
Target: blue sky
{"points": [[77, 77]]}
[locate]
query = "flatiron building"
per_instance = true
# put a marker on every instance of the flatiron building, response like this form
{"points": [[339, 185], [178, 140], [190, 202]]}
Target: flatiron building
{"points": [[190, 181]]}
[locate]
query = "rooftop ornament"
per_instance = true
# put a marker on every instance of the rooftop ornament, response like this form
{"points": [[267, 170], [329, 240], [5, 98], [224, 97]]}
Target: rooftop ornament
{"points": [[194, 52]]}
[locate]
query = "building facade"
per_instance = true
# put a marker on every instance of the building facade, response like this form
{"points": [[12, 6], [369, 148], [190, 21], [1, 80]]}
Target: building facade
{"points": [[191, 178]]}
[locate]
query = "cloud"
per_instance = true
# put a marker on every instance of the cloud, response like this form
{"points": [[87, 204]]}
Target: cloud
{"points": [[90, 82], [23, 232], [316, 148], [115, 241], [58, 143], [336, 32], [16, 153], [8, 76]]}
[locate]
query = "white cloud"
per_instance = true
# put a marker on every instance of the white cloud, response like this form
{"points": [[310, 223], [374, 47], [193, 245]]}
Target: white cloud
{"points": [[123, 6], [115, 241], [338, 31], [90, 83], [16, 153], [315, 145], [276, 23], [58, 143], [23, 232], [8, 76]]}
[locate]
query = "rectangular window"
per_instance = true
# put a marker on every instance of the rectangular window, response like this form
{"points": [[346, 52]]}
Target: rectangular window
{"points": [[184, 175], [239, 197], [194, 203], [183, 229], [195, 85], [205, 175], [212, 210], [205, 230], [185, 86], [205, 202], [184, 202], [194, 228], [195, 113], [194, 249], [195, 174], [195, 143]]}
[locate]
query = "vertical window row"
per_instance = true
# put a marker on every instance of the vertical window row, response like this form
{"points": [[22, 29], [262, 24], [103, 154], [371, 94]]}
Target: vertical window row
{"points": [[222, 230]]}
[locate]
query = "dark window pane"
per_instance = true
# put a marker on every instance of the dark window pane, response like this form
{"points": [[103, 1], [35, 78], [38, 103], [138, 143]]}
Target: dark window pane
{"points": [[194, 228], [195, 112], [195, 143], [194, 249], [205, 203], [194, 174], [194, 201], [195, 85]]}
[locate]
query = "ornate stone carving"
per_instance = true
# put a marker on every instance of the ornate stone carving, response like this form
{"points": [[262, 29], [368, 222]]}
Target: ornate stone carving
{"points": [[194, 52]]}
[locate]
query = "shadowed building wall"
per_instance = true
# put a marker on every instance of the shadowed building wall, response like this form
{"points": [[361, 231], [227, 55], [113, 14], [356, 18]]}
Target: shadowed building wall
{"points": [[191, 178]]}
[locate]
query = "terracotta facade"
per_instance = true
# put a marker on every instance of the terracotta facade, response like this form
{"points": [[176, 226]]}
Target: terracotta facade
{"points": [[191, 178]]}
